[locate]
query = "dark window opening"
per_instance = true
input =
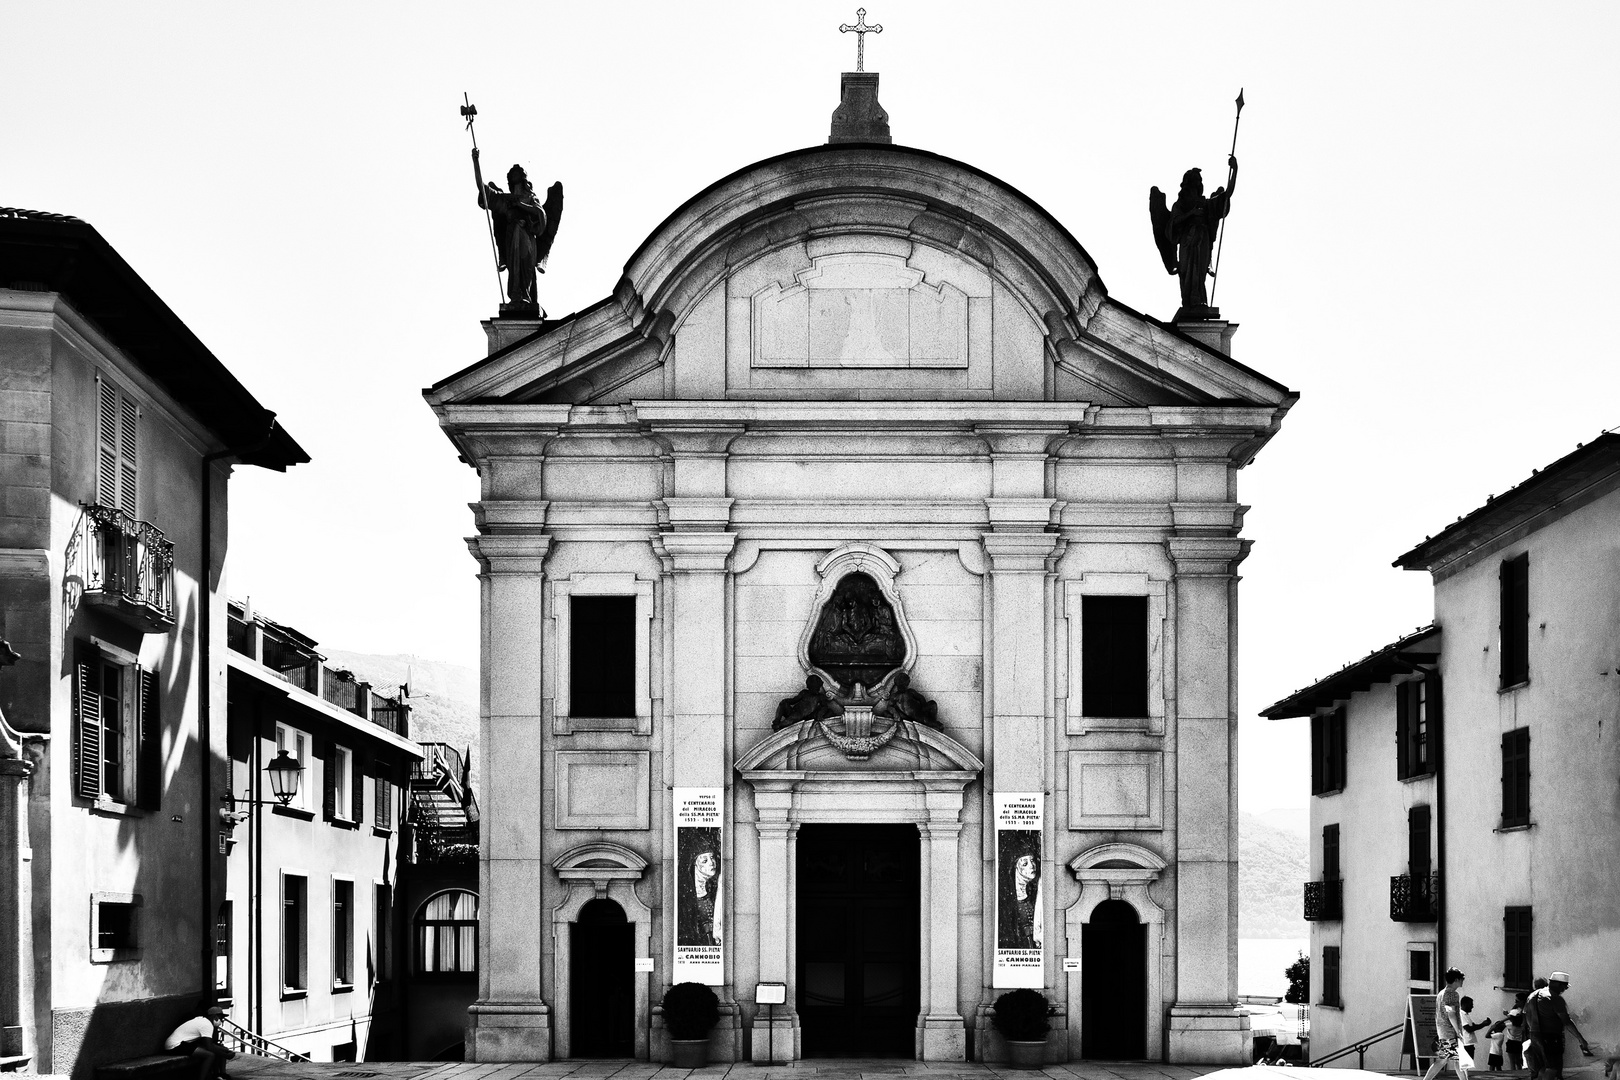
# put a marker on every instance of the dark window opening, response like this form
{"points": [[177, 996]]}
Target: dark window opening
{"points": [[1515, 629], [1330, 975], [292, 933], [602, 656], [1418, 862], [343, 933], [1515, 778], [1418, 966], [1114, 656], [1415, 714], [115, 925], [1330, 851], [1328, 752], [1517, 958]]}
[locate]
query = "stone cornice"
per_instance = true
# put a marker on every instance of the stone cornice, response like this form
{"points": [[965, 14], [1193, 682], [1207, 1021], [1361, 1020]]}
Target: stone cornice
{"points": [[510, 553], [1021, 552], [1207, 556], [695, 552]]}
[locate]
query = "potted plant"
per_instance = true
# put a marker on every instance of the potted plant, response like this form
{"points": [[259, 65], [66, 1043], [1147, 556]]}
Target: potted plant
{"points": [[1020, 1017], [690, 1012]]}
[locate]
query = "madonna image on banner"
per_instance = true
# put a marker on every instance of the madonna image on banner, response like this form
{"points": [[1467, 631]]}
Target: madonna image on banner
{"points": [[1020, 898], [700, 910]]}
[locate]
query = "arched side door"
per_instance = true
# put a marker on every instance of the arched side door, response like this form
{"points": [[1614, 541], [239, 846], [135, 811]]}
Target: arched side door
{"points": [[602, 1000], [1113, 984]]}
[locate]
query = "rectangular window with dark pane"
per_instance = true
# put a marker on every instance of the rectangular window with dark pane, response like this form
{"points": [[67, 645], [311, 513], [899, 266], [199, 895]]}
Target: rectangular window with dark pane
{"points": [[115, 926], [294, 923], [1330, 851], [1114, 656], [342, 933], [1515, 778], [1515, 626], [1330, 975], [1517, 958], [602, 656], [1414, 727], [1418, 860], [1328, 752]]}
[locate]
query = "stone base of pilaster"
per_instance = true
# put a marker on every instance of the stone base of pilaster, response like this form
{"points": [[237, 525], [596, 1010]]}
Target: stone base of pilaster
{"points": [[1212, 1034], [509, 1031], [775, 1038], [941, 1037]]}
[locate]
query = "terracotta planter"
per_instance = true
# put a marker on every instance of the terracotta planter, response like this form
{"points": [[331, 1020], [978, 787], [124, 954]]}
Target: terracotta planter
{"points": [[690, 1053], [1027, 1054]]}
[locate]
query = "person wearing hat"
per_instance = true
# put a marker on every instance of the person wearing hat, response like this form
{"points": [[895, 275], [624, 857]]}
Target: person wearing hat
{"points": [[196, 1038], [1547, 1014]]}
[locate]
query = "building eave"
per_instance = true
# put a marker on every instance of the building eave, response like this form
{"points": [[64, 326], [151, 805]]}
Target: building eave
{"points": [[1419, 648]]}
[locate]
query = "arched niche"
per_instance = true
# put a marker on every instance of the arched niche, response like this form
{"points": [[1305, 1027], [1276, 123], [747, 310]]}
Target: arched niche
{"points": [[597, 870], [921, 778], [834, 567], [1118, 871]]}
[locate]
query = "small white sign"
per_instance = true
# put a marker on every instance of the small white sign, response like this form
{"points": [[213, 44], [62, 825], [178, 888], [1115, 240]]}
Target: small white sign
{"points": [[1071, 963], [644, 963], [770, 994]]}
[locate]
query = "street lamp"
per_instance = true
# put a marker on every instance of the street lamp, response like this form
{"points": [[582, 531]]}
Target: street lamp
{"points": [[284, 773]]}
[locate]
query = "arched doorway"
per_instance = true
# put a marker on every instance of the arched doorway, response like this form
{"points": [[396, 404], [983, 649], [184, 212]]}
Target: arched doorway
{"points": [[602, 1003], [1113, 984]]}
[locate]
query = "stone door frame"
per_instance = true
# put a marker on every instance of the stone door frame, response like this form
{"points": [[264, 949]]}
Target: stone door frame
{"points": [[1118, 872], [798, 778], [595, 871]]}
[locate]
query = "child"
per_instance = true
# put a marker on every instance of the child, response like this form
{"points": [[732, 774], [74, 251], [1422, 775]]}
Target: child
{"points": [[1497, 1036], [1469, 1028]]}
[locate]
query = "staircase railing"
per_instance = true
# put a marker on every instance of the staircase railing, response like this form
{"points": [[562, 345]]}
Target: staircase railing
{"points": [[1359, 1047], [236, 1037]]}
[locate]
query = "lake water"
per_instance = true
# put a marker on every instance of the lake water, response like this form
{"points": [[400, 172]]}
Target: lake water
{"points": [[1261, 962]]}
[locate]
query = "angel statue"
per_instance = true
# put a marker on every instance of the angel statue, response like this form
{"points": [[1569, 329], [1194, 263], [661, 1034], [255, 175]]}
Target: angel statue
{"points": [[1185, 235], [524, 231]]}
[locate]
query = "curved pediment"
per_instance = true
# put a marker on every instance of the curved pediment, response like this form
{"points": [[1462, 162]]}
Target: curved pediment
{"points": [[805, 748], [1117, 856], [599, 860]]}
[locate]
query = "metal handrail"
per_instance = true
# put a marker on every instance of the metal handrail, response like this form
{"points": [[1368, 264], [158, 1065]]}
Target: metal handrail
{"points": [[1359, 1047], [251, 1042]]}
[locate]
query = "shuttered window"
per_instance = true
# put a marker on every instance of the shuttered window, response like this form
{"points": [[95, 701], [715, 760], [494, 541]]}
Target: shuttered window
{"points": [[1114, 656], [1416, 704], [382, 803], [117, 456], [1515, 778], [1330, 851], [1328, 752], [1418, 860], [1330, 975], [1515, 624], [1518, 967], [117, 730]]}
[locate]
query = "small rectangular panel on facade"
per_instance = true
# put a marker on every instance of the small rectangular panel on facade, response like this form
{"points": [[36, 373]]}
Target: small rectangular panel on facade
{"points": [[1116, 789], [1020, 959], [700, 904], [603, 789]]}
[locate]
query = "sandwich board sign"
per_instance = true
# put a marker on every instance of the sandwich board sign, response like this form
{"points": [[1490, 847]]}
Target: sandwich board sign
{"points": [[1418, 1040]]}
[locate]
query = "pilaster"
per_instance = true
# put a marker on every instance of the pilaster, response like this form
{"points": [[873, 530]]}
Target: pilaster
{"points": [[1203, 1024], [776, 1029], [941, 1031], [16, 929]]}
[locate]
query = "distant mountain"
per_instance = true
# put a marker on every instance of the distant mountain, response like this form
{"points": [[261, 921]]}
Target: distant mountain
{"points": [[1273, 863], [444, 696]]}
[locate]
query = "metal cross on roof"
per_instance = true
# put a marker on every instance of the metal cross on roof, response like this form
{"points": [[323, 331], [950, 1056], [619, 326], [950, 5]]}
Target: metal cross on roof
{"points": [[861, 30]]}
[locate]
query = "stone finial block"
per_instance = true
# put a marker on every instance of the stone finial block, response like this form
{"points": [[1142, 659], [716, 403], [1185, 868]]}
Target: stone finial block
{"points": [[859, 118]]}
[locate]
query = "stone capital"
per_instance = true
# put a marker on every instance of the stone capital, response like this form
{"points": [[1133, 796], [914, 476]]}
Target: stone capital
{"points": [[1022, 515], [695, 438], [510, 553], [696, 514], [1207, 556], [696, 552], [1020, 552]]}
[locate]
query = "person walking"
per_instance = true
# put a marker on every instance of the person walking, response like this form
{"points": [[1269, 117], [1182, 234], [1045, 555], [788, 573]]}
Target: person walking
{"points": [[1448, 1028], [1548, 1015]]}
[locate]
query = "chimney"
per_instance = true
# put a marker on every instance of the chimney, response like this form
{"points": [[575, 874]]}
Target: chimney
{"points": [[859, 118]]}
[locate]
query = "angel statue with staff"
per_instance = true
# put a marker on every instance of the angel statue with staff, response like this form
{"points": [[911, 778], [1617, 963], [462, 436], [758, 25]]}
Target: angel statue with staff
{"points": [[1185, 236], [523, 232]]}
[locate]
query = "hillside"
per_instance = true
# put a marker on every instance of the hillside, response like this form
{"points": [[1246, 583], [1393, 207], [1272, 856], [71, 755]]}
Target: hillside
{"points": [[1273, 864], [444, 696]]}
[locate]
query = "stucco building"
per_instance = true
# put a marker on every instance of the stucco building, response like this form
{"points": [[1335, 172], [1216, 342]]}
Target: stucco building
{"points": [[1464, 807], [859, 604], [118, 431]]}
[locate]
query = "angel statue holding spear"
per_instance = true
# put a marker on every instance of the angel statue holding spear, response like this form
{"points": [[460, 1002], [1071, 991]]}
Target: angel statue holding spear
{"points": [[521, 228], [1185, 233]]}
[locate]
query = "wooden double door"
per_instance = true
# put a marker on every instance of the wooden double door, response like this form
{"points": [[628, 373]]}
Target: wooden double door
{"points": [[857, 940]]}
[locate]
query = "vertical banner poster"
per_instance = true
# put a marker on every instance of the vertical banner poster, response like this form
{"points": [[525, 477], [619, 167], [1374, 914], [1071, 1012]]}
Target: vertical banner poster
{"points": [[1020, 905], [699, 900]]}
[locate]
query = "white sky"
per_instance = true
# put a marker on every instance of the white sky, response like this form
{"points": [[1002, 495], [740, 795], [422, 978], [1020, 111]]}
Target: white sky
{"points": [[1420, 242]]}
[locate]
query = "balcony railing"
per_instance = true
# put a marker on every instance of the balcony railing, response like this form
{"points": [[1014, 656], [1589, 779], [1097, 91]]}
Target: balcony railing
{"points": [[124, 566], [1324, 900], [1414, 897]]}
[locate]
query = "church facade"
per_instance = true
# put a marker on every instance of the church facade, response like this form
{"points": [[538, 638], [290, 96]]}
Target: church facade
{"points": [[859, 617]]}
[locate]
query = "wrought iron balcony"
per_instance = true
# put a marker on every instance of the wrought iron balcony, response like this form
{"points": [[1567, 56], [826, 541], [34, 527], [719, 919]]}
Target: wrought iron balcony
{"points": [[1414, 898], [124, 566], [1324, 900]]}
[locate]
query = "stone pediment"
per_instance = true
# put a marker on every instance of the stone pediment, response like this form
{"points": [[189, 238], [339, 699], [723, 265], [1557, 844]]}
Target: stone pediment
{"points": [[803, 751], [851, 272]]}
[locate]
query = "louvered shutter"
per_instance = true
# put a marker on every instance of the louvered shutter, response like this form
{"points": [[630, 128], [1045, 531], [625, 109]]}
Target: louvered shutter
{"points": [[127, 425], [357, 789], [1403, 730], [87, 723], [149, 762], [329, 774], [1318, 722], [107, 444], [1437, 715], [1417, 843]]}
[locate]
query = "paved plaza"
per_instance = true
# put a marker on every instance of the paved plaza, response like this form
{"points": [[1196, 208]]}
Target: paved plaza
{"points": [[254, 1068]]}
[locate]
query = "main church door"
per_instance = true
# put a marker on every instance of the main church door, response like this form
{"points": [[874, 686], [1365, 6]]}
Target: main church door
{"points": [[1113, 984], [858, 964]]}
